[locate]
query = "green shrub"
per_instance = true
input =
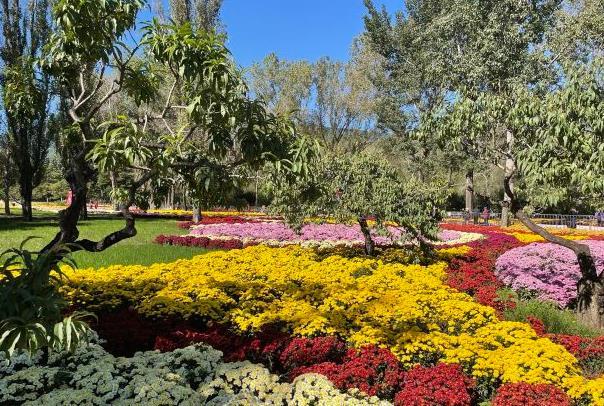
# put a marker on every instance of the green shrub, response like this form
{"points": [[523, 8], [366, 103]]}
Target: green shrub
{"points": [[556, 320], [31, 308]]}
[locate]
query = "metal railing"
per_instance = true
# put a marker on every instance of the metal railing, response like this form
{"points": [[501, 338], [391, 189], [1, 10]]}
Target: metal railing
{"points": [[579, 221]]}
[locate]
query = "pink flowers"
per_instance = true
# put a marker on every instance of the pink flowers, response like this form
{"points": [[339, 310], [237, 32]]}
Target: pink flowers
{"points": [[279, 233], [549, 269]]}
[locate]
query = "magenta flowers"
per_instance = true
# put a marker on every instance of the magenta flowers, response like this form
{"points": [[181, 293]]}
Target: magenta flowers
{"points": [[548, 269]]}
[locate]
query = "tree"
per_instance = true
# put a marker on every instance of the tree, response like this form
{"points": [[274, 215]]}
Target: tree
{"points": [[557, 153], [222, 129], [436, 50], [7, 173], [26, 91], [331, 100], [285, 86], [355, 188]]}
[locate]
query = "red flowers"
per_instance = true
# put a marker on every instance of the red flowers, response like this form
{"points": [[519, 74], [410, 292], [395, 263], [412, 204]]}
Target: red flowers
{"points": [[443, 384], [373, 370], [474, 272], [524, 394], [201, 242]]}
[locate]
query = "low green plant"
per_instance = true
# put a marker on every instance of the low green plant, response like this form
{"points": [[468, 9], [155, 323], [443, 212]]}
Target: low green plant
{"points": [[556, 320], [31, 308]]}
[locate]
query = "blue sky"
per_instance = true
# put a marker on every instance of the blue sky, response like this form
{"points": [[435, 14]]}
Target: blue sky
{"points": [[294, 29]]}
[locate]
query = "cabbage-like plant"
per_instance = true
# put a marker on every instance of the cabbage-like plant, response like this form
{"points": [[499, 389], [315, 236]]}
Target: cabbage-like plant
{"points": [[31, 308]]}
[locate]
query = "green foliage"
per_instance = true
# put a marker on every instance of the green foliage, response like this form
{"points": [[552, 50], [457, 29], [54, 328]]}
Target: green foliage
{"points": [[556, 320], [75, 45], [22, 98], [30, 305], [561, 138], [353, 187], [558, 135]]}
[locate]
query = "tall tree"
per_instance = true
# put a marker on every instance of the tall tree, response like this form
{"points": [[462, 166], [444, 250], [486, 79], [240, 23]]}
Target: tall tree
{"points": [[436, 49], [331, 100], [202, 14], [26, 91], [7, 172]]}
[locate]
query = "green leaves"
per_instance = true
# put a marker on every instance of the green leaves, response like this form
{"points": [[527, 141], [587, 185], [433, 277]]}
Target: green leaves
{"points": [[30, 305], [88, 31]]}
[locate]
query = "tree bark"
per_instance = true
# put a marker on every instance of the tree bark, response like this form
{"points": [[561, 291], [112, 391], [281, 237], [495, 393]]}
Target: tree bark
{"points": [[470, 191], [196, 214], [510, 169], [369, 244], [26, 197], [6, 190]]}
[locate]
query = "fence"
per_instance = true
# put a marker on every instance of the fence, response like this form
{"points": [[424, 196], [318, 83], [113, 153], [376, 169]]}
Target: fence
{"points": [[580, 221]]}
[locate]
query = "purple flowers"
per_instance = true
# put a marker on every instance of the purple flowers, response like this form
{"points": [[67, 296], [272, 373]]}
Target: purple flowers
{"points": [[549, 269]]}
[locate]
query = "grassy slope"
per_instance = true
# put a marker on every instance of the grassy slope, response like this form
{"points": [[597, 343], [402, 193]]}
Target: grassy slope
{"points": [[137, 250]]}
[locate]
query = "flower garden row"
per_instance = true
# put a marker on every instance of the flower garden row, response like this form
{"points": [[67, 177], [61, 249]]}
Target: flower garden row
{"points": [[240, 231], [380, 330], [378, 323]]}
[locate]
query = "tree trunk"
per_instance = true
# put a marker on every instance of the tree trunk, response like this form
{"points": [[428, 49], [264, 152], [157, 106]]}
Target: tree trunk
{"points": [[470, 191], [590, 299], [196, 214], [6, 187], [510, 169], [26, 196], [369, 244]]}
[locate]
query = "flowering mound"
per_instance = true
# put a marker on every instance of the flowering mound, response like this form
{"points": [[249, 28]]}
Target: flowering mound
{"points": [[523, 394], [278, 233], [408, 309], [373, 370], [315, 235], [548, 269], [443, 384]]}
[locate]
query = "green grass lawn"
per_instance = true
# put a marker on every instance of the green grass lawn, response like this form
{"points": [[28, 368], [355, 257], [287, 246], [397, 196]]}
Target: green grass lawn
{"points": [[138, 250]]}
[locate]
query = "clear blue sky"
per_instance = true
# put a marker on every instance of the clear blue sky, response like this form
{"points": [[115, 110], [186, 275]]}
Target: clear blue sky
{"points": [[294, 29]]}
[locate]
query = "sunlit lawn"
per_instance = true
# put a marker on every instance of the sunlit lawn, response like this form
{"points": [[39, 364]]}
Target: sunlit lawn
{"points": [[137, 250]]}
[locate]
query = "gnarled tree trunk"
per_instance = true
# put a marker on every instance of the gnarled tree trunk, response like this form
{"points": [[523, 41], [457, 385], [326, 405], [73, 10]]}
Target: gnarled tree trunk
{"points": [[590, 288]]}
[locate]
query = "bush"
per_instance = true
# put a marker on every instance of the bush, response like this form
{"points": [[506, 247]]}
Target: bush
{"points": [[524, 394], [31, 308], [443, 384], [555, 320]]}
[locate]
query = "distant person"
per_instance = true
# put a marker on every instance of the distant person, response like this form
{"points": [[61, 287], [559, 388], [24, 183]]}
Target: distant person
{"points": [[600, 218], [573, 218], [486, 215]]}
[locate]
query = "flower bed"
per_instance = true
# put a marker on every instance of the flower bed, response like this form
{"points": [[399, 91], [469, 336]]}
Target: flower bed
{"points": [[193, 375], [313, 235], [548, 269], [406, 308]]}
